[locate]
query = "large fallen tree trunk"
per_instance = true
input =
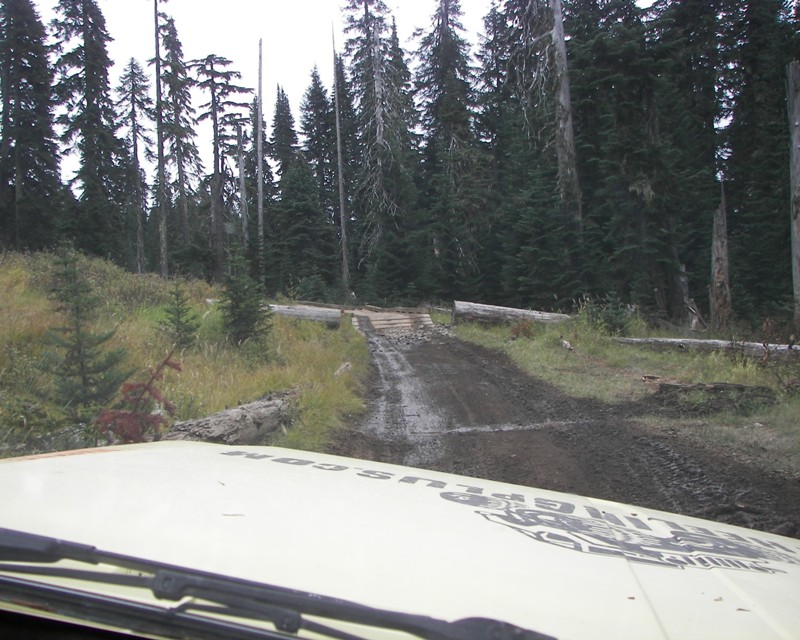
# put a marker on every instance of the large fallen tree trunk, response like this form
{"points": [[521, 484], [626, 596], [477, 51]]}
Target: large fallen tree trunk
{"points": [[475, 312], [247, 424], [331, 317], [752, 349]]}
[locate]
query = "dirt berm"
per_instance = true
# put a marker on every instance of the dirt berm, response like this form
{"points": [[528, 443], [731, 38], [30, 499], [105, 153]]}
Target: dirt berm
{"points": [[439, 403]]}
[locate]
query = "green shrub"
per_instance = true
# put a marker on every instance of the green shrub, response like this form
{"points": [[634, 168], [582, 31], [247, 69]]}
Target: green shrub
{"points": [[608, 315]]}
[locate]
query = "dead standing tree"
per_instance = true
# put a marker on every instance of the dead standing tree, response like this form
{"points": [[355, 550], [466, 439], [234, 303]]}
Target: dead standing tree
{"points": [[538, 58], [161, 194], [340, 177], [720, 290], [793, 77], [260, 164]]}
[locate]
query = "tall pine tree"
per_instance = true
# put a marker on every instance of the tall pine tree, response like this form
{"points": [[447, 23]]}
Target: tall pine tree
{"points": [[30, 188], [454, 170], [88, 121], [284, 143], [319, 139], [182, 154], [758, 193], [216, 78], [384, 186], [135, 108]]}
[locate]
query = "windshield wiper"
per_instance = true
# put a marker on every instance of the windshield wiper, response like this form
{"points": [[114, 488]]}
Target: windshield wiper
{"points": [[205, 603]]}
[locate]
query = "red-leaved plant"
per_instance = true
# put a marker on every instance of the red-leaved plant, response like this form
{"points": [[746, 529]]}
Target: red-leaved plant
{"points": [[139, 414]]}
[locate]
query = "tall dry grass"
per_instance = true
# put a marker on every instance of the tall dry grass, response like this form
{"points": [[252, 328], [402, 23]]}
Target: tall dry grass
{"points": [[298, 356]]}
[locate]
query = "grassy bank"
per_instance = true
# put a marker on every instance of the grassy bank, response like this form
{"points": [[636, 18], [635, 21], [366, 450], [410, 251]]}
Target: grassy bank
{"points": [[601, 369], [215, 374]]}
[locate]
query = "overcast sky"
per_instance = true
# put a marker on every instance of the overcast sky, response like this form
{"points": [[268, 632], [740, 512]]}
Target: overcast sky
{"points": [[296, 34]]}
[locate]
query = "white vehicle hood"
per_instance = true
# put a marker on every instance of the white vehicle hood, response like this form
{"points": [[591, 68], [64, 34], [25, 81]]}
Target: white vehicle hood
{"points": [[416, 541]]}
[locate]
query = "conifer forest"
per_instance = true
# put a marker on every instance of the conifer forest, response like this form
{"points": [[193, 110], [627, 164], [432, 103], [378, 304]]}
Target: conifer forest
{"points": [[582, 148]]}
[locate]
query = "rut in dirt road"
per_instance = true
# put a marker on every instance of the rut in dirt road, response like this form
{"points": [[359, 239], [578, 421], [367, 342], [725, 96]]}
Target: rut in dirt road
{"points": [[439, 403]]}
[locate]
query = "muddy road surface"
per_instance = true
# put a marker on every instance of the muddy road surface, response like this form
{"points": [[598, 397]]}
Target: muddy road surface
{"points": [[439, 403]]}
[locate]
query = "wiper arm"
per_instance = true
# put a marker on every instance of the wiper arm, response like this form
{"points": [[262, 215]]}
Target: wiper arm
{"points": [[286, 609]]}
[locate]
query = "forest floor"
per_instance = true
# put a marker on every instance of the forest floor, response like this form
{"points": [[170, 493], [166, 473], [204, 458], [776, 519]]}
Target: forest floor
{"points": [[439, 403]]}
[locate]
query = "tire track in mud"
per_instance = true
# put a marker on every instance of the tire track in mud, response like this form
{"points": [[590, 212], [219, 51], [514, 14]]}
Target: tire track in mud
{"points": [[404, 414], [439, 403]]}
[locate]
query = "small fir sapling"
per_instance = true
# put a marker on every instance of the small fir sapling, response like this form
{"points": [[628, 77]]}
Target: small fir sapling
{"points": [[87, 374], [246, 316], [181, 322]]}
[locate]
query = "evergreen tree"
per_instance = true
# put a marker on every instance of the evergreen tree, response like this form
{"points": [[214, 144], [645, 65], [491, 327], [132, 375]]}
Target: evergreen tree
{"points": [[319, 139], [135, 108], [182, 155], [87, 374], [88, 122], [381, 85], [181, 323], [758, 193], [215, 78], [498, 125], [246, 315], [692, 47], [303, 244], [525, 119], [284, 143], [454, 177], [30, 189], [524, 260]]}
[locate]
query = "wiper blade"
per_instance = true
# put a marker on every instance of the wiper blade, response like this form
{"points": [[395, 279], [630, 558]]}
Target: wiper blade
{"points": [[286, 609]]}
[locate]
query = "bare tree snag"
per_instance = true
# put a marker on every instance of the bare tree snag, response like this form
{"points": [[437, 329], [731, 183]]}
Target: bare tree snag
{"points": [[340, 175], [793, 75], [161, 187], [243, 209], [475, 312], [565, 133], [720, 290], [260, 164]]}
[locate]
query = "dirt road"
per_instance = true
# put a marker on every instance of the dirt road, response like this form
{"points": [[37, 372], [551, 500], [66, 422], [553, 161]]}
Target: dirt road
{"points": [[439, 403]]}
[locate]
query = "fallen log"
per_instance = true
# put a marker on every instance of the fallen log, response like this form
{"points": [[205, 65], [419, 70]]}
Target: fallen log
{"points": [[248, 424], [476, 312], [752, 349], [327, 315]]}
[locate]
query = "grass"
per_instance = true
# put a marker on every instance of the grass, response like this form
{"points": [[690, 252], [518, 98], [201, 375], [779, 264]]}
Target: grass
{"points": [[301, 357], [601, 369]]}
